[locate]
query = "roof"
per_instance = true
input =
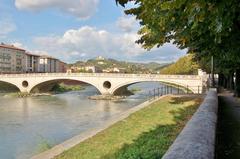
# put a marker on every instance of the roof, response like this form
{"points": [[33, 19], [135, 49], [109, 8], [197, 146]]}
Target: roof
{"points": [[2, 45], [47, 56], [31, 54], [50, 57]]}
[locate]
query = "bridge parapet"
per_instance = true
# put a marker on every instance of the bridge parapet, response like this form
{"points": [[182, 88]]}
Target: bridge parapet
{"points": [[102, 75], [26, 82]]}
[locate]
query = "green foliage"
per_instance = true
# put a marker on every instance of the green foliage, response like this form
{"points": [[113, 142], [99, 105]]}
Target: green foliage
{"points": [[205, 28], [60, 88], [188, 23], [134, 90], [184, 65]]}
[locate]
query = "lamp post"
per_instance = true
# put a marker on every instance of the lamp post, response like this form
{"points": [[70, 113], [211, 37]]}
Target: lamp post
{"points": [[212, 72]]}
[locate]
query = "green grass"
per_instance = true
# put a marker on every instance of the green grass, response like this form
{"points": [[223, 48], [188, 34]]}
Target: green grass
{"points": [[146, 134]]}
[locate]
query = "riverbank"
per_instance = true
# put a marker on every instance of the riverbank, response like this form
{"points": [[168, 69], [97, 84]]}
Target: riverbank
{"points": [[57, 89], [23, 95], [160, 121], [107, 97], [61, 88]]}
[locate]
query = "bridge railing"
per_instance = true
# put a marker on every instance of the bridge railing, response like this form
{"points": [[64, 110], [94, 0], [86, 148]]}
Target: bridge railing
{"points": [[102, 75]]}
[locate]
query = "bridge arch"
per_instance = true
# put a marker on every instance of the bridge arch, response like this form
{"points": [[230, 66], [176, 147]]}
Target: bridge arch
{"points": [[126, 84], [50, 82], [12, 85]]}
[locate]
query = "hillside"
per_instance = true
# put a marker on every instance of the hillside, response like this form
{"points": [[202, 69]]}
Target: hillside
{"points": [[184, 65], [129, 67]]}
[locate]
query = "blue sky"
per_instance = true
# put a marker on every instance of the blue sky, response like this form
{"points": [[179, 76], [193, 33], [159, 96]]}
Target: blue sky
{"points": [[77, 30]]}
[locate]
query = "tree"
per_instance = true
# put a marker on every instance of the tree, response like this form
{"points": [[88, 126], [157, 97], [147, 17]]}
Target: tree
{"points": [[205, 28]]}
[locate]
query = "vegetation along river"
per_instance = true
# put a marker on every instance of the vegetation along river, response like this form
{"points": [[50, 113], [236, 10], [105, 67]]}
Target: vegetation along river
{"points": [[33, 124]]}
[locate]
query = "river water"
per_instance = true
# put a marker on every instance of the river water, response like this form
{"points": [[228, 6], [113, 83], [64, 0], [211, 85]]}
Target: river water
{"points": [[29, 125]]}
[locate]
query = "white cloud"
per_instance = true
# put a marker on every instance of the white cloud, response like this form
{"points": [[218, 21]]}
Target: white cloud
{"points": [[6, 27], [127, 24], [80, 8], [88, 42], [19, 45]]}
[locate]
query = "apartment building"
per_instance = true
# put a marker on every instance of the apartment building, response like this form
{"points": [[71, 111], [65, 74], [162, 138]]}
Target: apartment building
{"points": [[12, 59], [50, 64], [32, 62], [17, 60]]}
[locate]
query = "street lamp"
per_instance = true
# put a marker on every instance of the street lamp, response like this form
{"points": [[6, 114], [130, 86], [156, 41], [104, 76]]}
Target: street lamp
{"points": [[212, 72]]}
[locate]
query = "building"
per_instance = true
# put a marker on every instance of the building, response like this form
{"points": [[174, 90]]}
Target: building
{"points": [[50, 64], [114, 70], [93, 69], [101, 62], [61, 66], [76, 69], [17, 60], [107, 70], [100, 58], [32, 62], [12, 59]]}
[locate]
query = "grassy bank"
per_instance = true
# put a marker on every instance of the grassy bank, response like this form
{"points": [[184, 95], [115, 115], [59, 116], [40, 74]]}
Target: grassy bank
{"points": [[145, 134], [61, 88]]}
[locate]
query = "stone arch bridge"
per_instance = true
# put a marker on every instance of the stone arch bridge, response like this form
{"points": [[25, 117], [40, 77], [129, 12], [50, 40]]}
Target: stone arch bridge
{"points": [[106, 83]]}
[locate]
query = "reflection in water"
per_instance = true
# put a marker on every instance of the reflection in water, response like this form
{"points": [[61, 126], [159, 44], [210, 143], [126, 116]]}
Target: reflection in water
{"points": [[28, 124]]}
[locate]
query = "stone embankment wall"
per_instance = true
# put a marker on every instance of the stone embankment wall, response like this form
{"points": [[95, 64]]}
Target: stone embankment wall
{"points": [[197, 139]]}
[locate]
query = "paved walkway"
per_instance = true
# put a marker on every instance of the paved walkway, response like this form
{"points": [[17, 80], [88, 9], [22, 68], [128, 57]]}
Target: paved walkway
{"points": [[228, 134]]}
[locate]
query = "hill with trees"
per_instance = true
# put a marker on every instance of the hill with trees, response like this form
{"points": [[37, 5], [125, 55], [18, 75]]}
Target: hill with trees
{"points": [[185, 65], [129, 67]]}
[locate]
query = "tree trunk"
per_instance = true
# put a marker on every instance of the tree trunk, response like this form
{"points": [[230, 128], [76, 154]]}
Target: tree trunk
{"points": [[224, 82], [237, 83], [228, 82], [220, 79], [232, 81]]}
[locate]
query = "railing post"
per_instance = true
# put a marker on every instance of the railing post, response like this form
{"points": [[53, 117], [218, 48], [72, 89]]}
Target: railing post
{"points": [[178, 90], [149, 94], [154, 93]]}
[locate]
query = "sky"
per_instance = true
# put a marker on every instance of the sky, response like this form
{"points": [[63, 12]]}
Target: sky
{"points": [[74, 30]]}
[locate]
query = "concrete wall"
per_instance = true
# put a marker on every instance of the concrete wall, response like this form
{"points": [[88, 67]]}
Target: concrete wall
{"points": [[197, 139]]}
